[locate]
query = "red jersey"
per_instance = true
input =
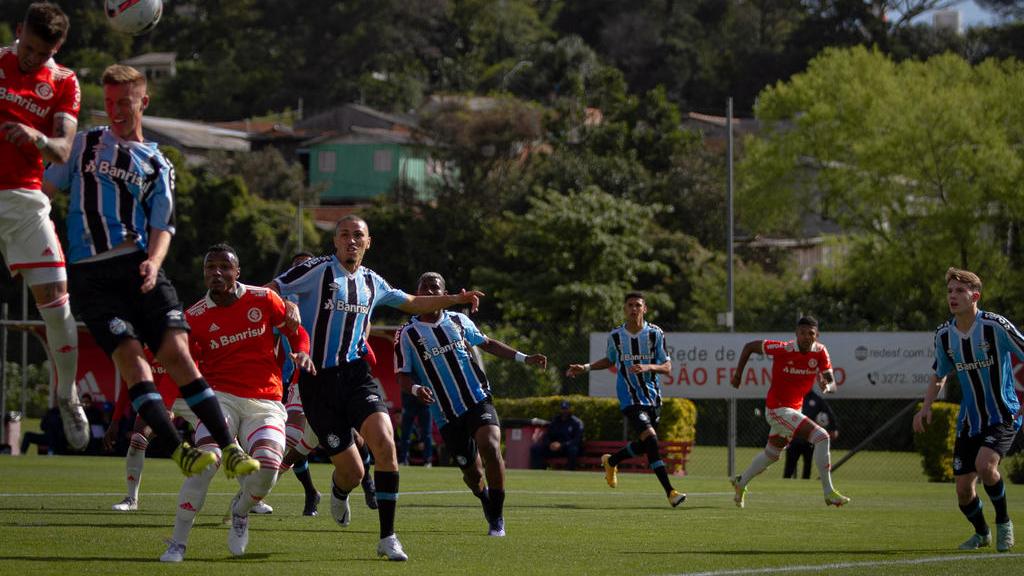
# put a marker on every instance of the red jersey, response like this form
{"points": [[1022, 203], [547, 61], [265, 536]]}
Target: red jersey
{"points": [[793, 372], [234, 345], [33, 99]]}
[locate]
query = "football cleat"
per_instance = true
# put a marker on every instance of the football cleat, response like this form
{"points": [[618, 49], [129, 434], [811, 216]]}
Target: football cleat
{"points": [[341, 512], [261, 507], [611, 473], [237, 462], [675, 498], [976, 541], [391, 548], [76, 426], [741, 493], [312, 502], [238, 534], [497, 528], [369, 492], [191, 460], [1004, 537], [175, 552], [836, 499], [129, 504]]}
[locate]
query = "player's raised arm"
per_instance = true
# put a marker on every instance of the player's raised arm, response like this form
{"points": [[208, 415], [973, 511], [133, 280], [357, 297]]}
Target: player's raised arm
{"points": [[576, 369], [425, 304], [754, 346], [502, 350]]}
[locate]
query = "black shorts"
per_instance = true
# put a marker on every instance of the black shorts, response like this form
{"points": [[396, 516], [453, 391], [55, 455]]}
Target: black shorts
{"points": [[107, 296], [460, 434], [642, 417], [338, 399], [965, 450]]}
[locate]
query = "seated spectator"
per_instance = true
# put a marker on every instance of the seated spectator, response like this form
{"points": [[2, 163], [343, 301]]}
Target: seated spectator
{"points": [[415, 411], [51, 439], [97, 425], [563, 437]]}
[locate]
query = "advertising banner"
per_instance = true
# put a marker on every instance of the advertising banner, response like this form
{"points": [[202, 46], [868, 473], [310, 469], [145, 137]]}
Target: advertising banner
{"points": [[866, 364]]}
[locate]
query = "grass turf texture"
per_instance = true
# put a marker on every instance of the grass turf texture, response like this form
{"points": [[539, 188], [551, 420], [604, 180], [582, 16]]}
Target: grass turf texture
{"points": [[55, 518]]}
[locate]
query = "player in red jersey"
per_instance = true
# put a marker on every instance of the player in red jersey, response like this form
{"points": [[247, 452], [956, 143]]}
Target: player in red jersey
{"points": [[232, 339], [796, 365], [39, 102], [141, 432]]}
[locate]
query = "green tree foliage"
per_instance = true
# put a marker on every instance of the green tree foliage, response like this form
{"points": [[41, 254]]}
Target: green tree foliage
{"points": [[918, 160]]}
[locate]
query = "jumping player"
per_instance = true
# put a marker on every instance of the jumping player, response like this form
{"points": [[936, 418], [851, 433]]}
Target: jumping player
{"points": [[39, 102], [796, 365], [120, 222], [637, 349], [434, 363]]}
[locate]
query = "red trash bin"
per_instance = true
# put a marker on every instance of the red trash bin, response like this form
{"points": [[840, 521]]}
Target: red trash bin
{"points": [[518, 439]]}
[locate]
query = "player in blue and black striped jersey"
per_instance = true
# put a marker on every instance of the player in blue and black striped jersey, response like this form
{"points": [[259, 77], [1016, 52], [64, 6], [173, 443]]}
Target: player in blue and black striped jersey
{"points": [[637, 351], [120, 223], [336, 298], [434, 363], [979, 346]]}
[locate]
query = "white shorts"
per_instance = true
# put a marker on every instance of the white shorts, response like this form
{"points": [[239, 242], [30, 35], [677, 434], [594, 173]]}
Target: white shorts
{"points": [[785, 421], [180, 408], [250, 419], [28, 239], [309, 440]]}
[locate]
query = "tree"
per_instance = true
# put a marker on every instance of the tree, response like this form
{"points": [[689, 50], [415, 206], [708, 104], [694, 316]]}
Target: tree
{"points": [[918, 161]]}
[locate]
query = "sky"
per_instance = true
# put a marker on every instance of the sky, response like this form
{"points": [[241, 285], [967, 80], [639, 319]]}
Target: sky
{"points": [[970, 14]]}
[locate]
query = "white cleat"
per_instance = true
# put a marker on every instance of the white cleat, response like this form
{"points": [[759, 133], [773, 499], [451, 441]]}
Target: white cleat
{"points": [[976, 541], [238, 533], [76, 426], [1004, 537], [175, 552], [262, 507], [129, 504], [391, 548], [342, 514]]}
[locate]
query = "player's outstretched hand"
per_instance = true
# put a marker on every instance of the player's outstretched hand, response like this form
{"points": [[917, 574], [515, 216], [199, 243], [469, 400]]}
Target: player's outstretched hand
{"points": [[18, 134], [922, 418], [537, 360], [148, 270], [304, 362], [735, 380], [425, 395], [471, 297], [574, 370]]}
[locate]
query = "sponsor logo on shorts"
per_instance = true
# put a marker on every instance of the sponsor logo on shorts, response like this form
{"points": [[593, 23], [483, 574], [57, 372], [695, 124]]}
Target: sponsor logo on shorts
{"points": [[333, 441], [372, 398], [485, 417], [44, 90], [117, 326], [255, 314], [175, 315], [990, 439], [461, 461], [957, 464]]}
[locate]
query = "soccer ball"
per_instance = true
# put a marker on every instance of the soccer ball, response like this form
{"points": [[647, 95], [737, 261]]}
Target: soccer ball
{"points": [[133, 16]]}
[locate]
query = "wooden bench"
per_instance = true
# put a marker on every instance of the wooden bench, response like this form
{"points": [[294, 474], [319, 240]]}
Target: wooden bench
{"points": [[673, 454]]}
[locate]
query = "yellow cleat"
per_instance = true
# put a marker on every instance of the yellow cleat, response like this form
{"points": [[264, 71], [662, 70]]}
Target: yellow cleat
{"points": [[192, 461], [836, 499], [237, 462], [611, 473], [741, 493], [675, 498]]}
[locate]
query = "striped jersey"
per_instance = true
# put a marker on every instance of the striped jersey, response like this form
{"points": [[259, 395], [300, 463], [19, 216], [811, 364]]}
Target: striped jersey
{"points": [[336, 305], [35, 99], [982, 362], [438, 355], [119, 189], [626, 349]]}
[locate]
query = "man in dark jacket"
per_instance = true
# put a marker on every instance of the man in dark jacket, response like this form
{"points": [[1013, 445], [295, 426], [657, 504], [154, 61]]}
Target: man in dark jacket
{"points": [[564, 437]]}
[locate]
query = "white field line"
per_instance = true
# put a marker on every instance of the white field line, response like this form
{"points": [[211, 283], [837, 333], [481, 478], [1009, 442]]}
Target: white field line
{"points": [[823, 568]]}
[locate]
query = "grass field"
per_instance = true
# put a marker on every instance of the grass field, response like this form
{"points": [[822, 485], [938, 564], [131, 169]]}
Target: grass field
{"points": [[55, 518]]}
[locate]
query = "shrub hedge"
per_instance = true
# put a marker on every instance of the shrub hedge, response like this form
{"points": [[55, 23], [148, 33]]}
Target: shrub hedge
{"points": [[602, 419], [935, 444]]}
